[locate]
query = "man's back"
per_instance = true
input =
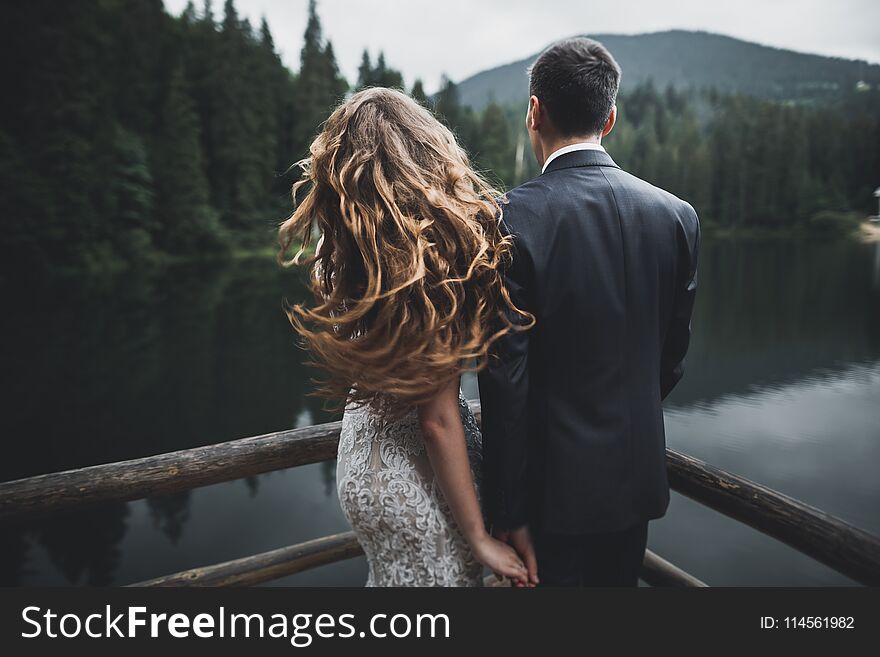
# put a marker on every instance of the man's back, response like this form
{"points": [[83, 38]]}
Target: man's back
{"points": [[607, 263]]}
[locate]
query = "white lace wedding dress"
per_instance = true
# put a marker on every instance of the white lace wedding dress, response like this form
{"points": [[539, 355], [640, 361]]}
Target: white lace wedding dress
{"points": [[394, 504]]}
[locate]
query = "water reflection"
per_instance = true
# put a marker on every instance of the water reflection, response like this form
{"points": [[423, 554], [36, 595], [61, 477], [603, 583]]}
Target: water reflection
{"points": [[171, 512], [782, 387], [817, 440], [877, 266], [119, 368], [775, 312]]}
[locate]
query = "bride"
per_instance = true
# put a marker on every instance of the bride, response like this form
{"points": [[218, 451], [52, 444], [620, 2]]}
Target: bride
{"points": [[408, 295]]}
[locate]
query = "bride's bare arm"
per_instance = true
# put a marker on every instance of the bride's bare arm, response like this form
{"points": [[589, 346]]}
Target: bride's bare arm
{"points": [[445, 443]]}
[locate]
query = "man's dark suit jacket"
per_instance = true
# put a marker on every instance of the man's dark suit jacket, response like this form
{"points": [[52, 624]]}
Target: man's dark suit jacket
{"points": [[573, 435]]}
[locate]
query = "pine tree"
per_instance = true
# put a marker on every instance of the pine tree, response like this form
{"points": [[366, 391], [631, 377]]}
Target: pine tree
{"points": [[136, 67], [380, 75], [495, 151], [446, 103], [386, 76], [319, 85], [188, 17], [69, 133], [189, 224], [461, 120], [131, 187], [274, 83], [418, 93], [365, 71], [240, 171]]}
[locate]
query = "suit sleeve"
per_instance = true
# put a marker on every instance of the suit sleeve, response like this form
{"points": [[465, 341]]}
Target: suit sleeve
{"points": [[504, 392], [678, 333]]}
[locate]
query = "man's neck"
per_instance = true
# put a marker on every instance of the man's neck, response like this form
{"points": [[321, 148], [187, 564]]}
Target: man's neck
{"points": [[552, 145]]}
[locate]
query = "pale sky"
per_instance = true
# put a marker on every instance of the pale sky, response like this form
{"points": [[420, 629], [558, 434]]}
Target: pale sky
{"points": [[426, 38]]}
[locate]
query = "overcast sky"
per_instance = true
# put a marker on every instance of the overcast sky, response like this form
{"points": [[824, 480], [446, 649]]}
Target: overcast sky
{"points": [[426, 38]]}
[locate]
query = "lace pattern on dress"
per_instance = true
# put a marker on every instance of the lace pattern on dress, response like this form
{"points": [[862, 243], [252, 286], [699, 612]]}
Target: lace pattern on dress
{"points": [[393, 503]]}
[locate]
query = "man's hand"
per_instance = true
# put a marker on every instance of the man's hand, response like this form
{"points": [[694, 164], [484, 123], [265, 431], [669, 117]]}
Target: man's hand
{"points": [[520, 539]]}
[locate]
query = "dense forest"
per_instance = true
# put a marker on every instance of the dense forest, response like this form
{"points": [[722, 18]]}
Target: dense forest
{"points": [[130, 136], [745, 163]]}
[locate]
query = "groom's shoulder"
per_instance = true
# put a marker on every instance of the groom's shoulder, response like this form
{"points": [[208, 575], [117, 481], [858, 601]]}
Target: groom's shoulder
{"points": [[642, 192], [540, 199]]}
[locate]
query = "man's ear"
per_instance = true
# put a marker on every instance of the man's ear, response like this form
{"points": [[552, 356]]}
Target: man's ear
{"points": [[533, 116], [609, 124]]}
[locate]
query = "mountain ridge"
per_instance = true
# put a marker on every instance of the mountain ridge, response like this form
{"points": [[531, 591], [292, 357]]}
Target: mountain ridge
{"points": [[695, 59]]}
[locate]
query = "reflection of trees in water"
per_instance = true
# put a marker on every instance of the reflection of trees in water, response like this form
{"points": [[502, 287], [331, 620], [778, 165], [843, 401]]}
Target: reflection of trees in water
{"points": [[143, 365], [84, 545], [170, 513], [13, 555], [149, 362], [771, 312]]}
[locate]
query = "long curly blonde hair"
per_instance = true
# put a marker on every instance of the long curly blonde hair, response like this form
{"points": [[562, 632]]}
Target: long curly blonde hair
{"points": [[407, 274]]}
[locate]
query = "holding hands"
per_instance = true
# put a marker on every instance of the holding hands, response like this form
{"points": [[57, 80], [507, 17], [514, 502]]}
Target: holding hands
{"points": [[501, 559], [519, 543]]}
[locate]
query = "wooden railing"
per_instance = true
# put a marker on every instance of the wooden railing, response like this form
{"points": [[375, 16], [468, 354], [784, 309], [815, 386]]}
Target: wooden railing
{"points": [[829, 540]]}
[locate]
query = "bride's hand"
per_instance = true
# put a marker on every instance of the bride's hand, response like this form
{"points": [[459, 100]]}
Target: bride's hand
{"points": [[501, 559]]}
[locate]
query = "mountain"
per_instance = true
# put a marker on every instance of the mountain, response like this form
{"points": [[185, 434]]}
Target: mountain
{"points": [[695, 59]]}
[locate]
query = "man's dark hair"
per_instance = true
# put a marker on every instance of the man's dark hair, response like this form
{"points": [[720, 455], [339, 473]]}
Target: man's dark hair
{"points": [[577, 80]]}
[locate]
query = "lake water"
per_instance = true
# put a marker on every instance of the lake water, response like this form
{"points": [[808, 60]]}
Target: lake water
{"points": [[782, 387]]}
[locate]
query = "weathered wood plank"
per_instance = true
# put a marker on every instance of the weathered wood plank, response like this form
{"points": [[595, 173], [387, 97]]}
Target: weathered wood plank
{"points": [[266, 566], [837, 544], [168, 473], [171, 472]]}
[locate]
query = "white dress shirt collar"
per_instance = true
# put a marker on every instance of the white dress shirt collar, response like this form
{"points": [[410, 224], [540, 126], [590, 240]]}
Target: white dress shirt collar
{"points": [[582, 146]]}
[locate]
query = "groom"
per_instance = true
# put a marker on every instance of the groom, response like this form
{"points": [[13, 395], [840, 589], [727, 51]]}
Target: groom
{"points": [[573, 439]]}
